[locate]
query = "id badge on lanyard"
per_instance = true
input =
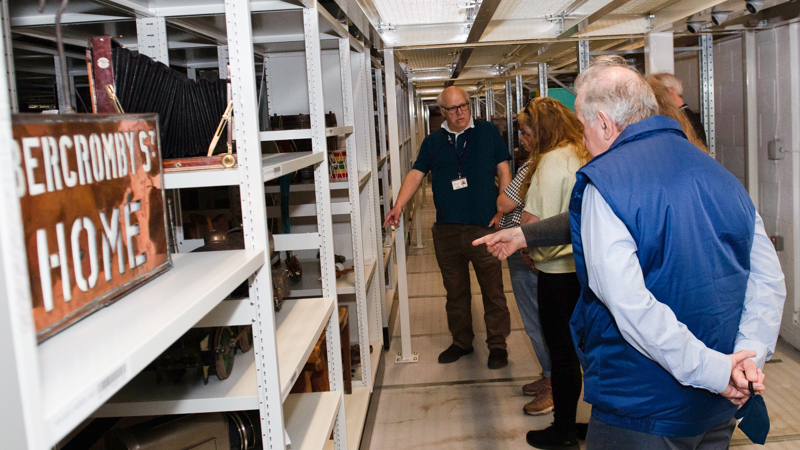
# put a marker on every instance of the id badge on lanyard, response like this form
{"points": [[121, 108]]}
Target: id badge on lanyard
{"points": [[461, 181]]}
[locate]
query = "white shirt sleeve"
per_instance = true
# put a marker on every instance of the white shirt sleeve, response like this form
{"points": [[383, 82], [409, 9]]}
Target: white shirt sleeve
{"points": [[615, 276], [763, 300]]}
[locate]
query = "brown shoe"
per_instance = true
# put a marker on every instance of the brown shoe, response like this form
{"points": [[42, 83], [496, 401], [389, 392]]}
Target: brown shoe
{"points": [[534, 388], [541, 405]]}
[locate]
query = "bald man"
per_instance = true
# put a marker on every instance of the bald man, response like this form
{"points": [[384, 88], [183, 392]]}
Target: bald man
{"points": [[463, 157]]}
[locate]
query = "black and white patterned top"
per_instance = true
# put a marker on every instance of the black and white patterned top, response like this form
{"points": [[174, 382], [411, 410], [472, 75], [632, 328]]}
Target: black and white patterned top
{"points": [[512, 219]]}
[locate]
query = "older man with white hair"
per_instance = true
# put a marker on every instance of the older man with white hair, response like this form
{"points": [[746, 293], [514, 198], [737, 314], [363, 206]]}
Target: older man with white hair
{"points": [[463, 157], [682, 290]]}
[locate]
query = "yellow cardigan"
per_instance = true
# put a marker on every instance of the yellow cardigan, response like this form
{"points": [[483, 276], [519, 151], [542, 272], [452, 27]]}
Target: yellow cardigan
{"points": [[549, 194]]}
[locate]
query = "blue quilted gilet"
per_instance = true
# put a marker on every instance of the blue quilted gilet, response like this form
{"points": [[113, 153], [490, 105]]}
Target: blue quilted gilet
{"points": [[693, 223]]}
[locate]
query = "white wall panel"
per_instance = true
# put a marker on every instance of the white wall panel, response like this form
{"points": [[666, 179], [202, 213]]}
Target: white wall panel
{"points": [[729, 102], [775, 181], [687, 68], [332, 86], [774, 88], [289, 72]]}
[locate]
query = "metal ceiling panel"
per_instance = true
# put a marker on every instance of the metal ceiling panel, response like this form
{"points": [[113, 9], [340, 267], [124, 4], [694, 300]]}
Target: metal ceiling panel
{"points": [[554, 50], [529, 9], [428, 59], [478, 72], [415, 12], [430, 83], [615, 27], [428, 75], [590, 7], [429, 91], [525, 71], [510, 30], [644, 6], [587, 14], [450, 33], [483, 56]]}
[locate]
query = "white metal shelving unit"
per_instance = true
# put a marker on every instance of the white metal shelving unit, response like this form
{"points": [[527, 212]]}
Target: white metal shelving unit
{"points": [[400, 147], [380, 126], [285, 339], [54, 386], [355, 209]]}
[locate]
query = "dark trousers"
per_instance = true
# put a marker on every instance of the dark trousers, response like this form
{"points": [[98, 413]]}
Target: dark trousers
{"points": [[454, 252], [558, 295], [602, 436]]}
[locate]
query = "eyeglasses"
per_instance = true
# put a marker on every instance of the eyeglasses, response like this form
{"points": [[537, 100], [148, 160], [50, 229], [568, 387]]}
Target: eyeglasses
{"points": [[454, 109]]}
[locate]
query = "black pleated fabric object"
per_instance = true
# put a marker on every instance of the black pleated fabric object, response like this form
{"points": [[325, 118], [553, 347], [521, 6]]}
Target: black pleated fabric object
{"points": [[188, 110]]}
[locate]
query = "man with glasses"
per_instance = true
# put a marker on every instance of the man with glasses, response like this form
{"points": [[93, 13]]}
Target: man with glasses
{"points": [[463, 157]]}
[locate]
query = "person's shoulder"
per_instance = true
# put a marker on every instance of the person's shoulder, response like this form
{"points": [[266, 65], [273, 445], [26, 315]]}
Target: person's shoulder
{"points": [[564, 157], [484, 125], [564, 151], [434, 136]]}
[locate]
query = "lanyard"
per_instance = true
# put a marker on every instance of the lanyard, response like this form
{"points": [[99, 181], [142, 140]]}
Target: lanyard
{"points": [[464, 149]]}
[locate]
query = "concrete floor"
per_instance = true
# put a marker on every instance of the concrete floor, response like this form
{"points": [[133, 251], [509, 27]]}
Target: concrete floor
{"points": [[467, 406]]}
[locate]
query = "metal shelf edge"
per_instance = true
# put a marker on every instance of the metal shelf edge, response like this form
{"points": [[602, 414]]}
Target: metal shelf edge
{"points": [[169, 304]]}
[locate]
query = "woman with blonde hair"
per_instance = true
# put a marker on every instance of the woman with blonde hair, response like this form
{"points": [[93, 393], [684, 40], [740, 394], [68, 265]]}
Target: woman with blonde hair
{"points": [[557, 152], [556, 229]]}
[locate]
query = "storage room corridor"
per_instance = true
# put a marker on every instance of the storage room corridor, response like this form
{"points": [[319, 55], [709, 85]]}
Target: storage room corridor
{"points": [[467, 406]]}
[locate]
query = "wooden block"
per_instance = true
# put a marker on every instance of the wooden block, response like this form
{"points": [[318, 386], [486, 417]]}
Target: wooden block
{"points": [[344, 332]]}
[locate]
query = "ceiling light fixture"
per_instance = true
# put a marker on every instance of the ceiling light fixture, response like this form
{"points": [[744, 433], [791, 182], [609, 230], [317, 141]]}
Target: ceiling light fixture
{"points": [[694, 26], [719, 16], [754, 6]]}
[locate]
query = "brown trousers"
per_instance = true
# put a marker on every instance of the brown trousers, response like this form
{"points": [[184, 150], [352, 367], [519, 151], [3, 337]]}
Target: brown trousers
{"points": [[454, 252]]}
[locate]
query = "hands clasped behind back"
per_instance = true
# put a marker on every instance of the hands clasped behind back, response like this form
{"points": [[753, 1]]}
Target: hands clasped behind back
{"points": [[743, 372]]}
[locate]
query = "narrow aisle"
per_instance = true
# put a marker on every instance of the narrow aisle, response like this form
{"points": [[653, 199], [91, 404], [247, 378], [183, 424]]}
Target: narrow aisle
{"points": [[463, 405]]}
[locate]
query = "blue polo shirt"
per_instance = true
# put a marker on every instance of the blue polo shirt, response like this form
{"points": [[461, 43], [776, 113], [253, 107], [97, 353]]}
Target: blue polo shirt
{"points": [[474, 154]]}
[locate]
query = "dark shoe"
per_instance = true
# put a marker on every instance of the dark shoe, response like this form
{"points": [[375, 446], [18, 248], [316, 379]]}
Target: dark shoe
{"points": [[550, 438], [581, 429], [498, 358], [453, 353]]}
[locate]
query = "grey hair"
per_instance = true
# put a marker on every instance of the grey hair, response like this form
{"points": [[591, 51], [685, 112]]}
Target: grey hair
{"points": [[626, 99], [670, 81], [440, 97]]}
